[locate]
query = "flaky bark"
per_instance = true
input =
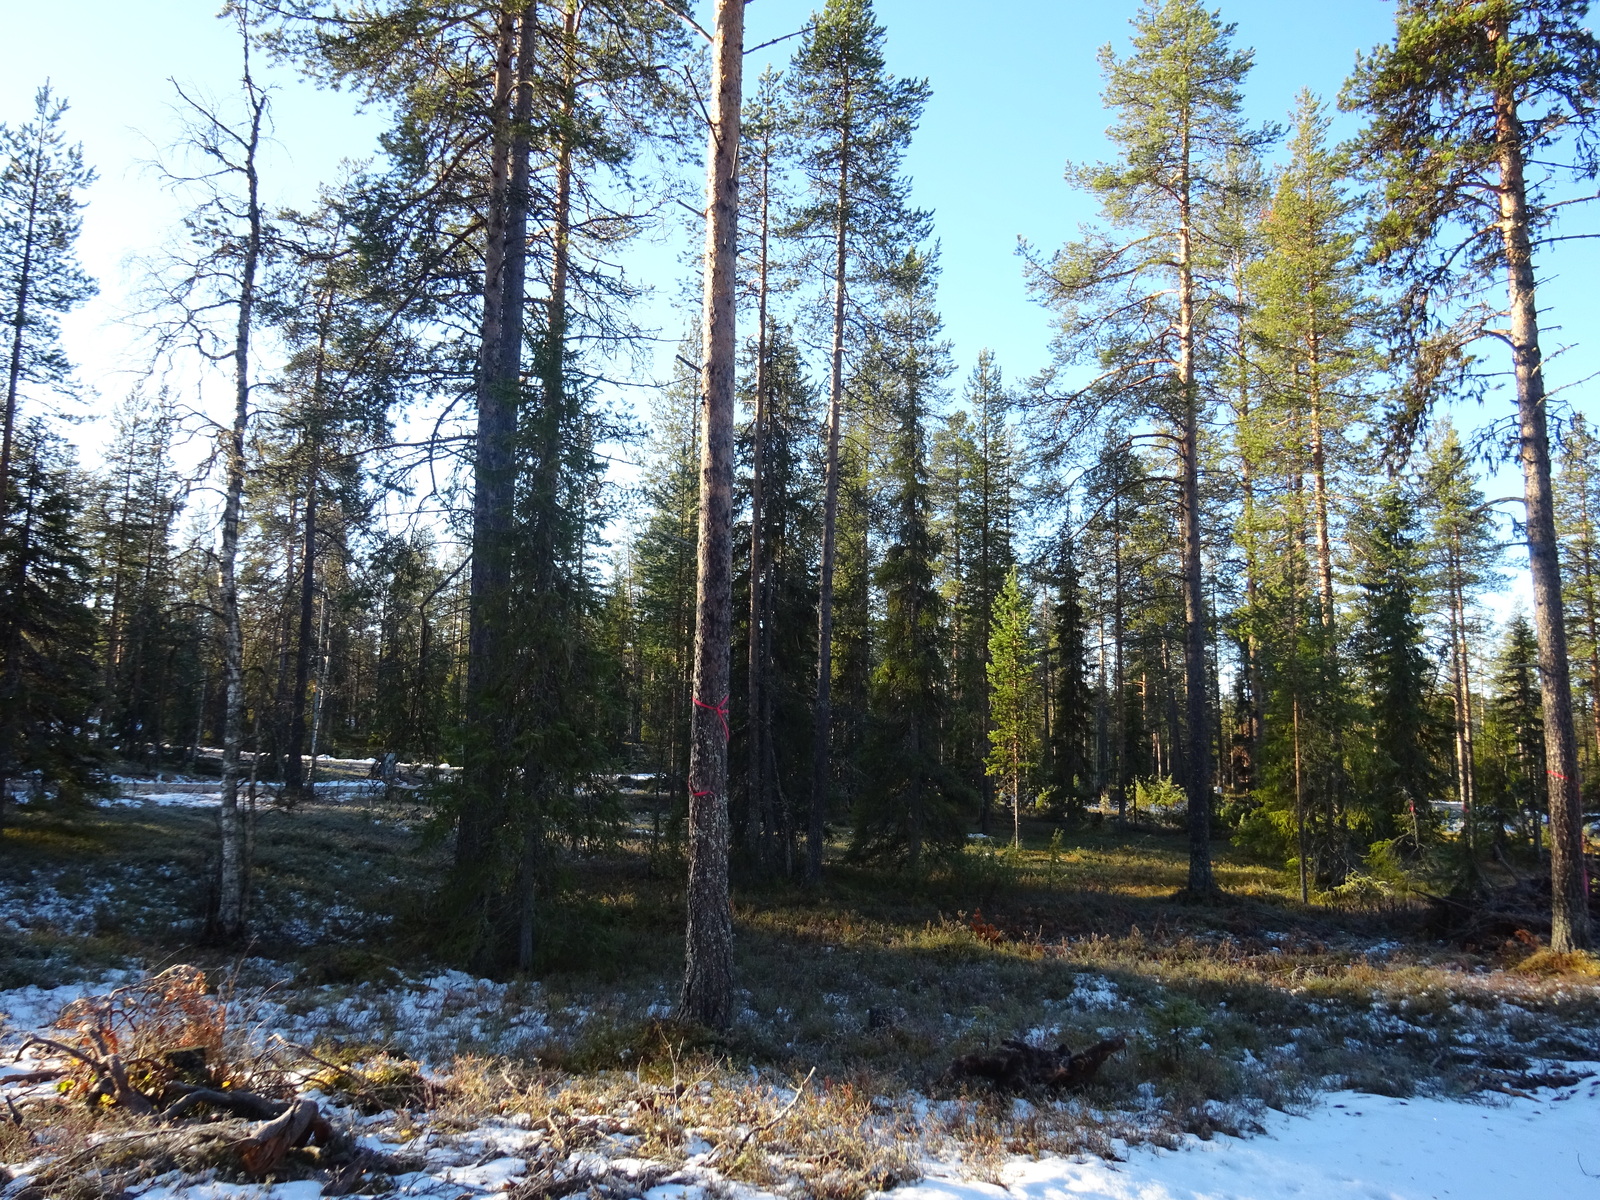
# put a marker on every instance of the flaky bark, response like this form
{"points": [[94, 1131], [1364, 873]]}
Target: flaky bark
{"points": [[708, 978], [1569, 884]]}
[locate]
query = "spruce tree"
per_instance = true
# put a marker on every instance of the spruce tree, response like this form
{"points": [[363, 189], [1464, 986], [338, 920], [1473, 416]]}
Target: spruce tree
{"points": [[1465, 553], [1475, 112], [130, 521], [40, 279], [909, 810], [1070, 703], [1578, 524], [1519, 784], [1402, 776], [48, 679], [1134, 300], [1013, 703]]}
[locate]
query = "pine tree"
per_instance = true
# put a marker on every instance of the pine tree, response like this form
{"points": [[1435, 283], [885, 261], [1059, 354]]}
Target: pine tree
{"points": [[40, 279], [1313, 324], [1465, 110], [1013, 735], [1136, 307], [48, 684], [856, 122]]}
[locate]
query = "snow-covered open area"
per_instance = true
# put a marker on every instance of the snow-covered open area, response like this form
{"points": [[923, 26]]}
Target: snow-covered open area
{"points": [[1350, 1147]]}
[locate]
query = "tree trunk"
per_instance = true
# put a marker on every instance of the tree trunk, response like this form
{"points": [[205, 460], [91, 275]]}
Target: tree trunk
{"points": [[760, 816], [514, 286], [294, 773], [1197, 756], [19, 322], [708, 969], [494, 471], [1569, 883], [231, 873], [821, 764]]}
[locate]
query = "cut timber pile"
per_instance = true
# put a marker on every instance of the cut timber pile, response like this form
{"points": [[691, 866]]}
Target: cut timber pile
{"points": [[1481, 920], [160, 1054], [1017, 1065]]}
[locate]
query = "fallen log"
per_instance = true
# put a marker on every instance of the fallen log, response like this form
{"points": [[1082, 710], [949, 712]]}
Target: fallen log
{"points": [[248, 1105], [270, 1144], [1016, 1064]]}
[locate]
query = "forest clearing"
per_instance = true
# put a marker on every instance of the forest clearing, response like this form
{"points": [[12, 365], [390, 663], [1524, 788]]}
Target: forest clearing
{"points": [[566, 631], [1234, 1015]]}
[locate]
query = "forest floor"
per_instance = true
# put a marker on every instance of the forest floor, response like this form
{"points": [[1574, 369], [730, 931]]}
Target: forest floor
{"points": [[853, 1003]]}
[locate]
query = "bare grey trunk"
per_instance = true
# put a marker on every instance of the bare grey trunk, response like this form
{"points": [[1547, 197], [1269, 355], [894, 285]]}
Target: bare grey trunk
{"points": [[708, 965], [822, 736], [1569, 882], [231, 835]]}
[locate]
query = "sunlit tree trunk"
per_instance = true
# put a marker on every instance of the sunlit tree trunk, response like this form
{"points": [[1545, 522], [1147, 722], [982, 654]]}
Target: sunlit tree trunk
{"points": [[708, 967]]}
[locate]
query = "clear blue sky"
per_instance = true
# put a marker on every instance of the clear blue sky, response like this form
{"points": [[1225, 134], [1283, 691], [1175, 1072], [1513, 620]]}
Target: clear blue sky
{"points": [[1015, 97]]}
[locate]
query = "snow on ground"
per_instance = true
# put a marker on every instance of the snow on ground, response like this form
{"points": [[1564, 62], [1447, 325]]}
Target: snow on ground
{"points": [[1353, 1147], [1350, 1146]]}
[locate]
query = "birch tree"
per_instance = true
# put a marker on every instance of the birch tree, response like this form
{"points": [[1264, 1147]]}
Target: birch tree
{"points": [[208, 296]]}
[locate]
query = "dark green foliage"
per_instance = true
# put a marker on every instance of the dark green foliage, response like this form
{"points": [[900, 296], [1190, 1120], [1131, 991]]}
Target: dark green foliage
{"points": [[40, 278], [1514, 788], [149, 643], [48, 677], [909, 807], [1401, 775], [1069, 773], [790, 519]]}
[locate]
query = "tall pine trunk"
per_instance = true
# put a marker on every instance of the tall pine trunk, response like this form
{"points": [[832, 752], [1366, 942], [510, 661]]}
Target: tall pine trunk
{"points": [[1195, 756], [294, 772], [708, 966], [493, 469], [1569, 883], [761, 816], [821, 762]]}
